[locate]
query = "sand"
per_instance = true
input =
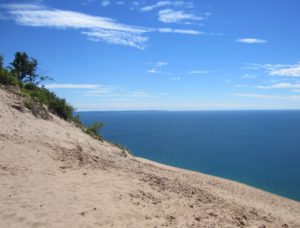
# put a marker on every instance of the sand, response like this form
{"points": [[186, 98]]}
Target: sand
{"points": [[54, 175]]}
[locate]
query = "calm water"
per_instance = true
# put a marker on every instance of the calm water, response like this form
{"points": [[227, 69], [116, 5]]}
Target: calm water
{"points": [[259, 148]]}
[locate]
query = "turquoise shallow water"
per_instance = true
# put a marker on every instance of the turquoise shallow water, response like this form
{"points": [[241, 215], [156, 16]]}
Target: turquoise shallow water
{"points": [[259, 148]]}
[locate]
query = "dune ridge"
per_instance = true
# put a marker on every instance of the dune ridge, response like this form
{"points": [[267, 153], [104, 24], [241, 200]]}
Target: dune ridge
{"points": [[52, 174]]}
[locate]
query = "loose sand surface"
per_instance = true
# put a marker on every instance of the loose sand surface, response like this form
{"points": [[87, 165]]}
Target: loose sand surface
{"points": [[54, 175]]}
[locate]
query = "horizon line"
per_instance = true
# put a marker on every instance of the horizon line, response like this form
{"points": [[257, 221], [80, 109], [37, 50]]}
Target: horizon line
{"points": [[204, 110]]}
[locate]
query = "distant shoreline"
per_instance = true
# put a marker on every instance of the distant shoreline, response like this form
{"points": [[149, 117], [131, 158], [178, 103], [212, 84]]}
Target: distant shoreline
{"points": [[233, 110]]}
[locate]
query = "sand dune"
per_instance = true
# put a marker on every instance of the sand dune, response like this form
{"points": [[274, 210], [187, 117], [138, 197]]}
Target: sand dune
{"points": [[54, 175]]}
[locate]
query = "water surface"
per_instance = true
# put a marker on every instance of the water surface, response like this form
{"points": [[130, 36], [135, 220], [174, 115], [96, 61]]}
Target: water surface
{"points": [[259, 148]]}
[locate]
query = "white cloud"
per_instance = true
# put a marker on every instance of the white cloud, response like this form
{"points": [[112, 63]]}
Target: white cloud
{"points": [[160, 4], [105, 3], [153, 71], [117, 37], [138, 94], [120, 3], [97, 28], [248, 76], [173, 16], [253, 95], [241, 86], [157, 5], [264, 96], [94, 90], [252, 67], [156, 66], [71, 86], [176, 78], [198, 72], [251, 41], [293, 98], [180, 31], [94, 27], [38, 16], [281, 86], [160, 64], [291, 71], [116, 93]]}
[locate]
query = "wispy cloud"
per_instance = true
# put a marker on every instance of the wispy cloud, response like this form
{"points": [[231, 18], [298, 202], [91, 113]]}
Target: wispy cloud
{"points": [[139, 94], [253, 95], [155, 69], [280, 86], [199, 72], [160, 64], [175, 16], [264, 96], [160, 4], [72, 86], [249, 76], [251, 41], [95, 90], [120, 3], [94, 27], [117, 37], [176, 78], [98, 28], [180, 31], [241, 86], [105, 3], [291, 70], [117, 93]]}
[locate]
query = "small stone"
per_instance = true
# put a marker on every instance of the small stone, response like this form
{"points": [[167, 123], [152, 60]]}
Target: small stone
{"points": [[171, 217], [212, 214], [197, 219]]}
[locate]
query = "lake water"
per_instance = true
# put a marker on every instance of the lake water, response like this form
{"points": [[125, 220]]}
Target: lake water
{"points": [[258, 148]]}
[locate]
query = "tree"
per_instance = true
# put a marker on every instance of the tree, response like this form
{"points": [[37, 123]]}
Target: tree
{"points": [[1, 62], [25, 69], [6, 76]]}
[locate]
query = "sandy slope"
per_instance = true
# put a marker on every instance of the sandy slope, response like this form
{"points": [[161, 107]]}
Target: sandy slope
{"points": [[54, 175]]}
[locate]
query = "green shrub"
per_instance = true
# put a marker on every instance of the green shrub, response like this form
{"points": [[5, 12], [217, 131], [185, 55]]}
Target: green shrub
{"points": [[94, 130], [77, 121], [124, 149], [61, 108], [6, 78], [1, 62], [55, 104], [28, 104], [30, 87]]}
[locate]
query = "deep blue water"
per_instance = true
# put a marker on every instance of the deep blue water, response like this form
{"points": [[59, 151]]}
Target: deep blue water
{"points": [[259, 148]]}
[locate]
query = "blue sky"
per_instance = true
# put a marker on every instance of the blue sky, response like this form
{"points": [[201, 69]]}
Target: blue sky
{"points": [[161, 55]]}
